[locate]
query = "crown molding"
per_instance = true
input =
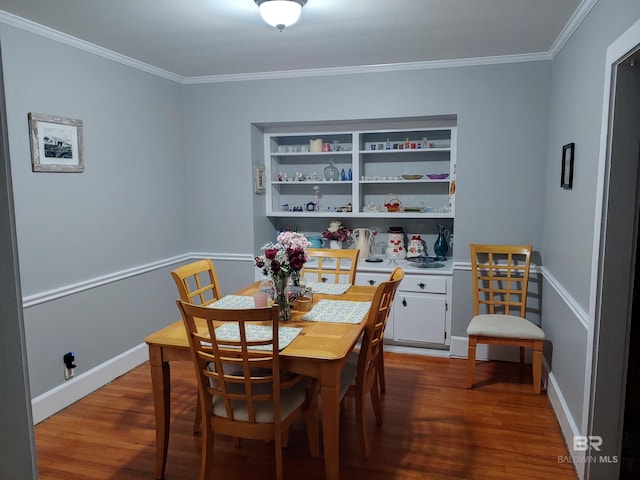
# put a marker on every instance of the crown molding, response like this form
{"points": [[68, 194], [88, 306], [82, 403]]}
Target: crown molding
{"points": [[574, 22], [38, 29], [66, 39], [390, 67]]}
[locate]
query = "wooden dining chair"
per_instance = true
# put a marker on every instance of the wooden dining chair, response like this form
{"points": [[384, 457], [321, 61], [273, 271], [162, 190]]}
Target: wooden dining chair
{"points": [[397, 274], [500, 283], [254, 401], [360, 374], [341, 264], [197, 283]]}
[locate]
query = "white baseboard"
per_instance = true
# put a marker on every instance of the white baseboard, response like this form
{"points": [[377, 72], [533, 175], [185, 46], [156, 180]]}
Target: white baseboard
{"points": [[567, 424], [427, 352], [63, 395], [460, 349]]}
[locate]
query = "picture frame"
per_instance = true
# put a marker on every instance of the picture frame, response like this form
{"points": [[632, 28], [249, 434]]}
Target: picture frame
{"points": [[56, 143], [566, 178], [259, 179]]}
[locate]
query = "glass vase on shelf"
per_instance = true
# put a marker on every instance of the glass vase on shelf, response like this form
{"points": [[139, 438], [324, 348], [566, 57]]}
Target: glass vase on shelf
{"points": [[441, 247], [282, 297], [331, 173]]}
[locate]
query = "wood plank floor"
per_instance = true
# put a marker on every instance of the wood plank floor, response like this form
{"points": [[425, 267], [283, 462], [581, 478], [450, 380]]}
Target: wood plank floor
{"points": [[433, 429]]}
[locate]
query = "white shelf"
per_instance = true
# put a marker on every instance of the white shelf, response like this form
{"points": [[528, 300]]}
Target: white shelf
{"points": [[331, 214], [402, 150], [375, 173]]}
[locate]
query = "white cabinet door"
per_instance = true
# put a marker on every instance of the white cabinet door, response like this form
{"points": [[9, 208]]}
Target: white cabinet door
{"points": [[419, 317]]}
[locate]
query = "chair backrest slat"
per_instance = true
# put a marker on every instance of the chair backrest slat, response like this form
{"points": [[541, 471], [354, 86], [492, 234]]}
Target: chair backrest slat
{"points": [[226, 368], [371, 345], [197, 282], [500, 278], [340, 264]]}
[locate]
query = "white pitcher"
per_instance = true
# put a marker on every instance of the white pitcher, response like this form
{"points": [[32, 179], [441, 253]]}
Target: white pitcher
{"points": [[363, 237]]}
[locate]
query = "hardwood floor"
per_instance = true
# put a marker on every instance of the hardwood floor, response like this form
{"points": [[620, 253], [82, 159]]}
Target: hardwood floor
{"points": [[433, 429]]}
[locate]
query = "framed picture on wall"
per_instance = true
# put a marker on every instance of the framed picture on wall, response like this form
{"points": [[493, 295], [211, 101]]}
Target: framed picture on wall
{"points": [[259, 178], [56, 143], [566, 180]]}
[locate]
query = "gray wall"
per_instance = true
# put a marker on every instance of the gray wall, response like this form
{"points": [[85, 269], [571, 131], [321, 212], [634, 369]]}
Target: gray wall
{"points": [[576, 116], [125, 211]]}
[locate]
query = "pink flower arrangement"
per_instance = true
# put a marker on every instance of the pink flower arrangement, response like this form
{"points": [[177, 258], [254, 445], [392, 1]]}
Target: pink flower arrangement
{"points": [[286, 256]]}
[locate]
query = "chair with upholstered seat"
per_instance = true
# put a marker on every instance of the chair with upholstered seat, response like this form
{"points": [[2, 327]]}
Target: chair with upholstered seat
{"points": [[331, 265], [242, 392], [360, 374], [500, 276], [197, 283]]}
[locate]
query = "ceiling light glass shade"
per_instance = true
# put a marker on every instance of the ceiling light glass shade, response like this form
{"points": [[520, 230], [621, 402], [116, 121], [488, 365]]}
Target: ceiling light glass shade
{"points": [[280, 13]]}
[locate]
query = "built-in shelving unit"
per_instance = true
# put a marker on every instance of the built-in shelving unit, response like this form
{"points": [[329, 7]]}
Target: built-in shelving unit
{"points": [[412, 168]]}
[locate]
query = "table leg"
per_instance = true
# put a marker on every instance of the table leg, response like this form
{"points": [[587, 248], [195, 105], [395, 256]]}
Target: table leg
{"points": [[330, 392], [161, 387]]}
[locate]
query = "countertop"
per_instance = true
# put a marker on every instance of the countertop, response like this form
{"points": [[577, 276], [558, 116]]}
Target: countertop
{"points": [[408, 267]]}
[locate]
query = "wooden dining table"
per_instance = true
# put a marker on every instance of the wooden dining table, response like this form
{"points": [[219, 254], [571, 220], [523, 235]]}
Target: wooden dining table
{"points": [[319, 351]]}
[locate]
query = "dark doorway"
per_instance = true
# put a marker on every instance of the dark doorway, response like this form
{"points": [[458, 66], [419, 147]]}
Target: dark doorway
{"points": [[630, 461]]}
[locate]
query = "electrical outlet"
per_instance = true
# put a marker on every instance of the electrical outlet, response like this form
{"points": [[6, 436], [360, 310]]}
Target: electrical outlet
{"points": [[68, 360]]}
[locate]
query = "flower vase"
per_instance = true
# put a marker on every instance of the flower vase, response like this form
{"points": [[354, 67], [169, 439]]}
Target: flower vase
{"points": [[335, 244], [296, 287], [282, 297]]}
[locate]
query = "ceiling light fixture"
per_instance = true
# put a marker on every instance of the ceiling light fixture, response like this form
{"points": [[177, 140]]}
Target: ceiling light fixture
{"points": [[280, 13]]}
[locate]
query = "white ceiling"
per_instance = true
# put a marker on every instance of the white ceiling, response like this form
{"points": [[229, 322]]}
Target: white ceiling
{"points": [[227, 38]]}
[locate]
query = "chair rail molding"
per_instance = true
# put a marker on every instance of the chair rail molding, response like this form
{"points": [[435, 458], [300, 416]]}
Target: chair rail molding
{"points": [[581, 315], [71, 289]]}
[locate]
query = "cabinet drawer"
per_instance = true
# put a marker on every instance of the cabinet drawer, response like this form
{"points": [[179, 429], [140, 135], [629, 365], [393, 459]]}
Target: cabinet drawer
{"points": [[371, 279], [424, 284]]}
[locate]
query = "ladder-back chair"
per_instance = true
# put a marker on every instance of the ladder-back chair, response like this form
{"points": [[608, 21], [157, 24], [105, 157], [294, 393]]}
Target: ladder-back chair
{"points": [[500, 276]]}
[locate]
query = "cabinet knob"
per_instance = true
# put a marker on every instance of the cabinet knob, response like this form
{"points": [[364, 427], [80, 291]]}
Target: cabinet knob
{"points": [[422, 286], [404, 302], [372, 282], [324, 279]]}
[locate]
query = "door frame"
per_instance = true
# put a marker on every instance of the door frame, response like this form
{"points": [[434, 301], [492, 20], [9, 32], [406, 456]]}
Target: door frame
{"points": [[599, 379]]}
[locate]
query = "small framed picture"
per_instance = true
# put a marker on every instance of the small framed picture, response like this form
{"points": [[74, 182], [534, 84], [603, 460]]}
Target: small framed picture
{"points": [[56, 143], [566, 180], [259, 178]]}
